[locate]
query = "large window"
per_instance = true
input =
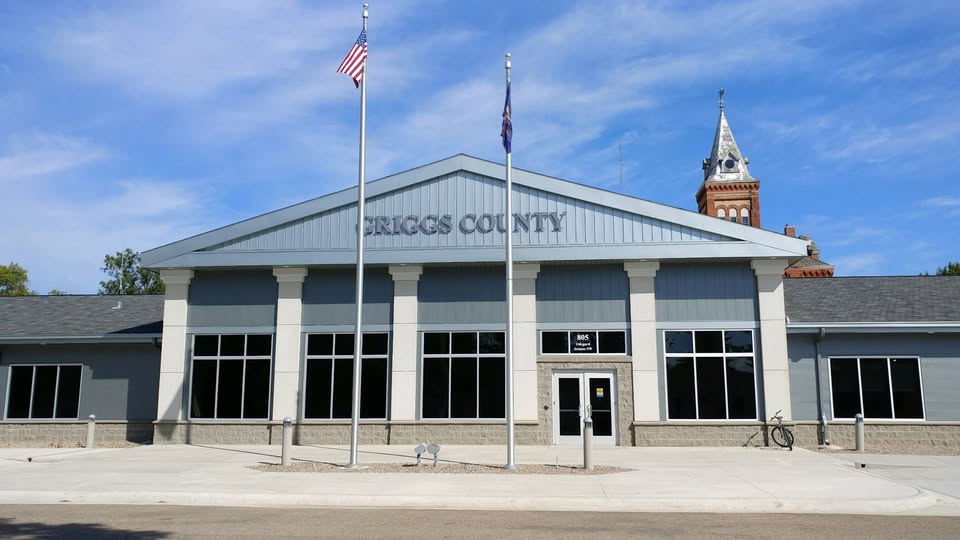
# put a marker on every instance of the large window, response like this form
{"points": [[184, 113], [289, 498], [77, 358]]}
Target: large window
{"points": [[710, 375], [328, 391], [583, 342], [463, 375], [231, 376], [876, 387], [44, 391]]}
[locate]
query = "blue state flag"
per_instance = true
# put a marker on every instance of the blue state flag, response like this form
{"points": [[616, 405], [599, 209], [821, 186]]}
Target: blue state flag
{"points": [[506, 130]]}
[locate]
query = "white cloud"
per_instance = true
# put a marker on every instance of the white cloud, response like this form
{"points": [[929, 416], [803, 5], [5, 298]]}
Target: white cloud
{"points": [[42, 154]]}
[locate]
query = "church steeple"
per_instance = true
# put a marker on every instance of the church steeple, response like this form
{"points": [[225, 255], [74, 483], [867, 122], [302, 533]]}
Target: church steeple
{"points": [[728, 191]]}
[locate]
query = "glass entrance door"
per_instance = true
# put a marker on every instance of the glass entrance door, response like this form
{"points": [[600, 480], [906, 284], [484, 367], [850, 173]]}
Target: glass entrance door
{"points": [[580, 394]]}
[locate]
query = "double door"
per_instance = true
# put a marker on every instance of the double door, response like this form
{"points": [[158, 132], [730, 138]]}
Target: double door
{"points": [[577, 395]]}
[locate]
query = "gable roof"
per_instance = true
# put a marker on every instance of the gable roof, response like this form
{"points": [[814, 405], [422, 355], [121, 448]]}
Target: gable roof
{"points": [[71, 318], [889, 301], [702, 236]]}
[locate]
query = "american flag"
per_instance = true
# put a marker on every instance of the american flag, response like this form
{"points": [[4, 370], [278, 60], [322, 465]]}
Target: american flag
{"points": [[353, 63]]}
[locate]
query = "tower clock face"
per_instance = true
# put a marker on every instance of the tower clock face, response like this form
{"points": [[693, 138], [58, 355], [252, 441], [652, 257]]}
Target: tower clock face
{"points": [[729, 164]]}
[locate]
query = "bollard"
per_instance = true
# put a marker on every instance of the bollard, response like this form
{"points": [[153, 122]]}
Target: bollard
{"points": [[858, 425], [91, 431], [588, 443], [287, 441], [825, 430]]}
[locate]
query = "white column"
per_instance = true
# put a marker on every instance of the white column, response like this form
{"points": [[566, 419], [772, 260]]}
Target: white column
{"points": [[643, 339], [773, 336], [286, 361], [525, 341], [173, 354], [403, 354]]}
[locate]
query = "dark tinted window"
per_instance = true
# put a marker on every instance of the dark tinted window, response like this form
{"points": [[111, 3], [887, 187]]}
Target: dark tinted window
{"points": [[492, 386], [464, 343], [259, 345], [711, 401], [229, 389], [317, 391], [203, 388], [679, 342], [256, 392], [373, 388], [709, 342], [875, 387], [343, 386], [232, 345], [436, 382], [738, 341], [741, 395], [68, 392], [374, 344], [21, 385], [492, 343], [680, 389], [613, 342], [463, 387], [436, 343], [343, 345], [554, 342], [205, 345], [44, 390], [907, 398], [320, 344], [583, 342], [846, 387]]}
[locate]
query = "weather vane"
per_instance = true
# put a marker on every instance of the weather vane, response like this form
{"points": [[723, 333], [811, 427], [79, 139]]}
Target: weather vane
{"points": [[722, 92]]}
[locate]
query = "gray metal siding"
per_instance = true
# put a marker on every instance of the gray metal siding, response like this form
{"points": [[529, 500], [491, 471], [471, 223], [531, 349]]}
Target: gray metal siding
{"points": [[329, 296], [118, 381], [801, 352], [583, 294], [464, 193], [939, 365], [706, 292], [462, 296], [232, 299]]}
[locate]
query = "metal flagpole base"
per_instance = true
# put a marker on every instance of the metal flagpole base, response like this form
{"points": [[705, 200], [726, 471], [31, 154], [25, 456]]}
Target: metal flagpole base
{"points": [[511, 467]]}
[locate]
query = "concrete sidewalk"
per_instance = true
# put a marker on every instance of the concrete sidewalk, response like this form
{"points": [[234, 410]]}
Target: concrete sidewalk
{"points": [[660, 480]]}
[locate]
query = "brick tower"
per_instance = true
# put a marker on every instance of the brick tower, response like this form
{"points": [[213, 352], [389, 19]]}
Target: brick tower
{"points": [[728, 191]]}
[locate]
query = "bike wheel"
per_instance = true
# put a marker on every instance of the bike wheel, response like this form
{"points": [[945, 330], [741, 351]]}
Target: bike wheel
{"points": [[782, 437]]}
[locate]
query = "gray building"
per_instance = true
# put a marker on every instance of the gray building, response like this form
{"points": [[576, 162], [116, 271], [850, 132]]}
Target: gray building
{"points": [[668, 327]]}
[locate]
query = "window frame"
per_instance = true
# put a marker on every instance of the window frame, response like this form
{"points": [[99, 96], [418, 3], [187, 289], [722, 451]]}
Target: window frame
{"points": [[626, 342], [243, 381], [893, 411], [333, 357], [56, 392], [449, 356], [722, 357]]}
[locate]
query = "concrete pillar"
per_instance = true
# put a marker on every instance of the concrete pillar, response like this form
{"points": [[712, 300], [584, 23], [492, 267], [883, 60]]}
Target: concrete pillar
{"points": [[173, 354], [525, 341], [403, 354], [287, 351], [773, 336], [643, 339]]}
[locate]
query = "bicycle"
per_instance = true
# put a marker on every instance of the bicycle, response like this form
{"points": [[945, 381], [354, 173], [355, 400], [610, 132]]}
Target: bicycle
{"points": [[780, 433]]}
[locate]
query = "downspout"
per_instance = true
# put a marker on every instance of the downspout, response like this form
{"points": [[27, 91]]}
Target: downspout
{"points": [[824, 428]]}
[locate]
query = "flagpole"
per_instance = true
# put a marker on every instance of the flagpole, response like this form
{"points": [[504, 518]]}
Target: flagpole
{"points": [[357, 333], [511, 450]]}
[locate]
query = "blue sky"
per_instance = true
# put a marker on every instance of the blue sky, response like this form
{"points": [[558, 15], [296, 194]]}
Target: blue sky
{"points": [[134, 124]]}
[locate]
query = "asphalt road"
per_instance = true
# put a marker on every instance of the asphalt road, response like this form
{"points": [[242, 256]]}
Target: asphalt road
{"points": [[150, 522]]}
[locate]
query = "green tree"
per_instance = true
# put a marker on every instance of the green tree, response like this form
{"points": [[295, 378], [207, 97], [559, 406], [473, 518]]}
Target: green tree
{"points": [[56, 292], [951, 269], [127, 277], [13, 280]]}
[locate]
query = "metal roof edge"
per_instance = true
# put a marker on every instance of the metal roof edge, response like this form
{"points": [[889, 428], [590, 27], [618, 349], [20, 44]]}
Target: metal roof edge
{"points": [[41, 340]]}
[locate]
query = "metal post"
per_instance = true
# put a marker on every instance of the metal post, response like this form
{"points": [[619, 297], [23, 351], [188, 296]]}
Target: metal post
{"points": [[858, 426], [825, 430], [588, 443], [91, 431], [508, 234], [287, 441]]}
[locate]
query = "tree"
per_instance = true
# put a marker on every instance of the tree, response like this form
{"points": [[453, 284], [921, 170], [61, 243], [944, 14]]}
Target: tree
{"points": [[13, 280], [127, 277], [56, 292], [951, 269]]}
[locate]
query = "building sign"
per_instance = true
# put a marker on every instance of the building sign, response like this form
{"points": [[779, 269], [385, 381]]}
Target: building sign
{"points": [[583, 342], [467, 224]]}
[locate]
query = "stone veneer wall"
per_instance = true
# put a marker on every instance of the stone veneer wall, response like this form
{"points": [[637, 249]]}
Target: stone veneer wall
{"points": [[69, 434], [698, 434], [884, 436]]}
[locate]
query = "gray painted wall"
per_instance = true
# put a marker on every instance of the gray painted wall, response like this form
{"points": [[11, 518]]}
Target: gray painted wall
{"points": [[119, 381], [706, 292], [232, 299], [329, 296], [467, 193], [939, 368], [462, 295], [583, 294]]}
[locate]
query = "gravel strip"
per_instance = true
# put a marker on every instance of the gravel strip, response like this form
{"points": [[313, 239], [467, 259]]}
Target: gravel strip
{"points": [[442, 468], [66, 444], [910, 451]]}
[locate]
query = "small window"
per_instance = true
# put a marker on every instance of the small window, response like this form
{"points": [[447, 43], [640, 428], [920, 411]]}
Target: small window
{"points": [[583, 342], [44, 392], [744, 216], [876, 388], [722, 213]]}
